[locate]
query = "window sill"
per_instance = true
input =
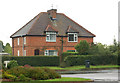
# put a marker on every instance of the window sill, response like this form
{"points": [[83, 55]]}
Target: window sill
{"points": [[72, 41], [50, 41]]}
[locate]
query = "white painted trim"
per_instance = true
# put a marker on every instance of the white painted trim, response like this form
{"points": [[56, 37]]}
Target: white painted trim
{"points": [[74, 37]]}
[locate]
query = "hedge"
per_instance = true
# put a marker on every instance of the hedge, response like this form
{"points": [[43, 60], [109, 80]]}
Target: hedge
{"points": [[65, 54], [34, 60], [94, 60]]}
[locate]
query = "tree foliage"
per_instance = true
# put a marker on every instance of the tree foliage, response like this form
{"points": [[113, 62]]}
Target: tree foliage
{"points": [[82, 47], [8, 49]]}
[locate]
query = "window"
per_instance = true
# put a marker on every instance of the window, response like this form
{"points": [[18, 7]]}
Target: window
{"points": [[50, 52], [24, 40], [51, 36], [72, 37], [18, 52], [18, 41], [24, 52]]}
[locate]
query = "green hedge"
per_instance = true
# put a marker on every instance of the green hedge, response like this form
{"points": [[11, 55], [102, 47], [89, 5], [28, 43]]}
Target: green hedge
{"points": [[94, 60], [34, 60], [65, 54]]}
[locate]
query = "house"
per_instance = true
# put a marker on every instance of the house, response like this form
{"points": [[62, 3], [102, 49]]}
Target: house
{"points": [[49, 33]]}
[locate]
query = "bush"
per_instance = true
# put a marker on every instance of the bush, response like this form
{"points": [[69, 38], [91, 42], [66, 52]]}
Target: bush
{"points": [[9, 76], [51, 73], [33, 72], [94, 60], [37, 74], [23, 78], [12, 64], [82, 47], [34, 60]]}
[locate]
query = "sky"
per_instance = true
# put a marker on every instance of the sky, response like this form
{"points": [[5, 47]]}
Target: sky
{"points": [[98, 16]]}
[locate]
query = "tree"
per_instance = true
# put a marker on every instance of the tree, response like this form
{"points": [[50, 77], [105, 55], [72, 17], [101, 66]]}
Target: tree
{"points": [[82, 47], [2, 44], [8, 49], [114, 48]]}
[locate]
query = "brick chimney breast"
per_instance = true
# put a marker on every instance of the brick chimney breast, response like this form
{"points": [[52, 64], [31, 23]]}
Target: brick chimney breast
{"points": [[52, 14]]}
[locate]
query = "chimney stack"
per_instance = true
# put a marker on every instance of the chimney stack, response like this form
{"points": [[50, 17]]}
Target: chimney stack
{"points": [[52, 13]]}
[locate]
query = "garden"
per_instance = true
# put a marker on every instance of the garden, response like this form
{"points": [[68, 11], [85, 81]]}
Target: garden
{"points": [[33, 69]]}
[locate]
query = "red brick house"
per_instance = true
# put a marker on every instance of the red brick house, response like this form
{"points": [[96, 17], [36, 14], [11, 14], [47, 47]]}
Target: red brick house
{"points": [[49, 33]]}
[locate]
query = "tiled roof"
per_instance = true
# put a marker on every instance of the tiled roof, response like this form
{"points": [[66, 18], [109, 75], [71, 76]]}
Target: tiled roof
{"points": [[41, 23], [49, 28], [71, 30]]}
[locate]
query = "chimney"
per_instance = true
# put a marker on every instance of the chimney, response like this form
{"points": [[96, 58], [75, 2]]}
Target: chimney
{"points": [[52, 14]]}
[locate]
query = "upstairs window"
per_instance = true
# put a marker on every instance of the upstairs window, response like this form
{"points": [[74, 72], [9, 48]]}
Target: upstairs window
{"points": [[24, 40], [18, 41], [72, 37], [51, 36]]}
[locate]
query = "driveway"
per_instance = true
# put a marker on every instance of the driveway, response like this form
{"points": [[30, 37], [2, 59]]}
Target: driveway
{"points": [[107, 76]]}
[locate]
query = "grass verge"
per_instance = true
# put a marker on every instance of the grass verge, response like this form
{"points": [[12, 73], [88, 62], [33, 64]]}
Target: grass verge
{"points": [[83, 67], [63, 79]]}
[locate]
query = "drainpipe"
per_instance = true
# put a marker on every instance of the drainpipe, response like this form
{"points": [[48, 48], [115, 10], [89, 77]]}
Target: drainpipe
{"points": [[61, 49]]}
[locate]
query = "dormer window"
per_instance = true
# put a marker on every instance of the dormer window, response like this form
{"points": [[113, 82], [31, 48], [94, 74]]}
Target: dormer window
{"points": [[72, 37], [51, 36]]}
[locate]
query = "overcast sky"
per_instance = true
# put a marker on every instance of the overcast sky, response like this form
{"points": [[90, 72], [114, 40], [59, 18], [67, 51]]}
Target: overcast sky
{"points": [[98, 16]]}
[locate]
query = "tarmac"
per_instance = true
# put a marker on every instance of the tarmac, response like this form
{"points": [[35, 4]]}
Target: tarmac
{"points": [[98, 76]]}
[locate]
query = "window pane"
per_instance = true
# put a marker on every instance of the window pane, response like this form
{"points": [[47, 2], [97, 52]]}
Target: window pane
{"points": [[18, 41], [47, 37], [52, 37], [52, 52], [71, 37]]}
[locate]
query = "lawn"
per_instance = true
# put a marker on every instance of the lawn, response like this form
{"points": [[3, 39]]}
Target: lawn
{"points": [[63, 79], [83, 67]]}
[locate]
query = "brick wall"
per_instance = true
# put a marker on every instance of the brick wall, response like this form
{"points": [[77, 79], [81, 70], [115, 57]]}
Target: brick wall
{"points": [[39, 42]]}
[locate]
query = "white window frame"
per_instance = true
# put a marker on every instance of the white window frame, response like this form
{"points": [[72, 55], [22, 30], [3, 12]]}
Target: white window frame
{"points": [[48, 54], [24, 52], [24, 40], [75, 35], [18, 53], [18, 40], [48, 36]]}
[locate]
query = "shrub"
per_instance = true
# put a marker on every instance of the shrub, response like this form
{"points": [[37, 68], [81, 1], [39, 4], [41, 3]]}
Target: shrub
{"points": [[51, 73], [9, 76], [34, 60], [23, 78], [33, 72], [37, 74], [82, 47], [12, 64], [18, 70]]}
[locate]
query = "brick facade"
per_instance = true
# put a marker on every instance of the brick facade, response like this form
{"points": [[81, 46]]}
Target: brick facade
{"points": [[39, 42]]}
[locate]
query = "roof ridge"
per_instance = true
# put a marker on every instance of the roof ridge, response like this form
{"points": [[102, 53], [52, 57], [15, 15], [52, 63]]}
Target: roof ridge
{"points": [[35, 21], [77, 24]]}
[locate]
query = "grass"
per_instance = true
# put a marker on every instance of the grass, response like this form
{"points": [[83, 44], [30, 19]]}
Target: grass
{"points": [[83, 67], [68, 79], [63, 79]]}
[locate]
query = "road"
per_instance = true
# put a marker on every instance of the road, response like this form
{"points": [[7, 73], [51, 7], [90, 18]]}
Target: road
{"points": [[104, 76]]}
